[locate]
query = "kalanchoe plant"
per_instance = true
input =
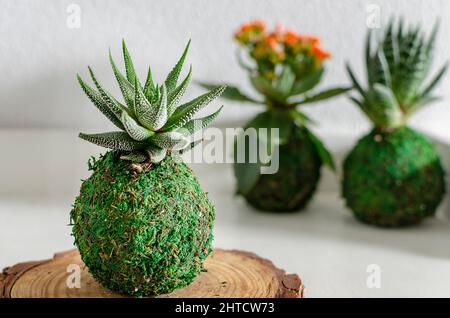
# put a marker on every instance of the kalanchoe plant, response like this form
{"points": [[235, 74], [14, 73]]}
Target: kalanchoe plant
{"points": [[152, 121], [142, 224], [284, 68], [393, 176]]}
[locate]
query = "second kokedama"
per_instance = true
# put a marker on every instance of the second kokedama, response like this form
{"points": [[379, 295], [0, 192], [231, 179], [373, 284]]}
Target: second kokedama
{"points": [[141, 222], [285, 67]]}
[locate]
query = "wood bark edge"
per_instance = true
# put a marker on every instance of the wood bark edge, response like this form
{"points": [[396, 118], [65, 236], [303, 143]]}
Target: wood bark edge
{"points": [[290, 285]]}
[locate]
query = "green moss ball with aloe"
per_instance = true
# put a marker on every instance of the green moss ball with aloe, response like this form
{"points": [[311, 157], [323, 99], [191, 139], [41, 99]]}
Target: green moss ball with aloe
{"points": [[144, 233], [142, 224], [393, 176]]}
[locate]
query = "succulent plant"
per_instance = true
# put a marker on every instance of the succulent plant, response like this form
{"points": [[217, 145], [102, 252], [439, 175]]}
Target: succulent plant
{"points": [[393, 176], [151, 121], [396, 71]]}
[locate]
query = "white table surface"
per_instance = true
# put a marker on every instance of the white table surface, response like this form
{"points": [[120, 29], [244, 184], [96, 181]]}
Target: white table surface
{"points": [[325, 245]]}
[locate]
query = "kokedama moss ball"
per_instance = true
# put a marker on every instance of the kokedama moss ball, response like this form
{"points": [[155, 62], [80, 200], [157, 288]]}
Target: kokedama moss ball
{"points": [[142, 233], [393, 178], [293, 185]]}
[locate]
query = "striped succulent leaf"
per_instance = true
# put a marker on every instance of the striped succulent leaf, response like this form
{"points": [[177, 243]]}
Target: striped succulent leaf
{"points": [[129, 68], [125, 86], [149, 87], [170, 140], [135, 156], [99, 102], [195, 125], [155, 153], [110, 101], [397, 69], [175, 95], [151, 117], [133, 129], [185, 112], [172, 78], [117, 140]]}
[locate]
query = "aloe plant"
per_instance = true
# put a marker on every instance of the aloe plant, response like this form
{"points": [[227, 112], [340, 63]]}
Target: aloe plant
{"points": [[396, 70], [151, 121]]}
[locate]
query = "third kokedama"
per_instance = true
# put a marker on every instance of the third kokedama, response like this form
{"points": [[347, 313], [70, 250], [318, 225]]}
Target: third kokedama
{"points": [[393, 176]]}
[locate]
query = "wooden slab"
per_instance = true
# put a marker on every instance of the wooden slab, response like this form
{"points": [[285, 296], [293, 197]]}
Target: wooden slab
{"points": [[230, 274]]}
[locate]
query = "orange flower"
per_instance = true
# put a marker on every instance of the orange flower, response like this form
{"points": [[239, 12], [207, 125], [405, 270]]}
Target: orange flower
{"points": [[258, 25], [314, 40], [250, 31], [291, 37], [279, 29], [272, 40], [320, 53], [246, 27]]}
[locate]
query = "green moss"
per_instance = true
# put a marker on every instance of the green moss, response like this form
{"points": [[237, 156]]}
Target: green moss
{"points": [[293, 185], [393, 179], [142, 233]]}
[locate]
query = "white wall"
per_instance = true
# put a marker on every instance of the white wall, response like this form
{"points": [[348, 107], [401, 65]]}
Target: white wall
{"points": [[40, 55]]}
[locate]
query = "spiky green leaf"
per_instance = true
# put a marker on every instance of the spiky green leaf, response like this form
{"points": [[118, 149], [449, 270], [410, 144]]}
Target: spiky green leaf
{"points": [[185, 112], [125, 86], [410, 67], [171, 140], [355, 81], [133, 129], [129, 68], [329, 93], [149, 87], [232, 93], [145, 112], [432, 40], [172, 78], [110, 101], [97, 100], [135, 157], [117, 140], [195, 125], [155, 153], [385, 110], [356, 101], [175, 95], [390, 46], [429, 88], [160, 117], [380, 69], [191, 146], [423, 101], [369, 59]]}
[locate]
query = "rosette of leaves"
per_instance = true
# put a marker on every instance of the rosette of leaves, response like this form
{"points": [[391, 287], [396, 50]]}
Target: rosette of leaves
{"points": [[393, 176], [284, 69], [151, 120]]}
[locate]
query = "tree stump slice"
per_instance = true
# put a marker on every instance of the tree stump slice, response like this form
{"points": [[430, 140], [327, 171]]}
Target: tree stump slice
{"points": [[230, 273]]}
